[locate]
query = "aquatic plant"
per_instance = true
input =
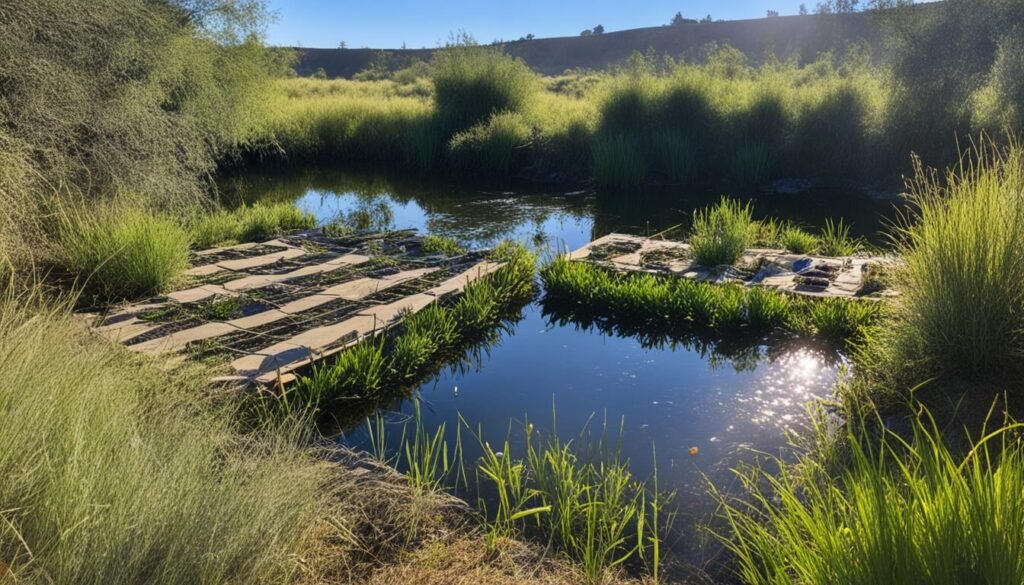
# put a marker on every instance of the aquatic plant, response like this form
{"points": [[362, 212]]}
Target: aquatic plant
{"points": [[676, 303], [433, 244], [899, 510], [579, 496], [389, 362], [122, 253], [721, 234]]}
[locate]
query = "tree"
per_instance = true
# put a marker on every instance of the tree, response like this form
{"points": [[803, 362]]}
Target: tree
{"points": [[599, 30], [837, 6], [587, 33], [773, 13], [706, 19], [803, 9], [677, 19], [341, 44], [319, 73]]}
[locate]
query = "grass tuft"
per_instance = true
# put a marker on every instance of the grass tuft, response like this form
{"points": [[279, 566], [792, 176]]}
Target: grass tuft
{"points": [[123, 254], [252, 223], [722, 233]]}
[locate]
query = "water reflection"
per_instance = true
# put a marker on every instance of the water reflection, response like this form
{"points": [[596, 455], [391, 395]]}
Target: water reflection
{"points": [[481, 216]]}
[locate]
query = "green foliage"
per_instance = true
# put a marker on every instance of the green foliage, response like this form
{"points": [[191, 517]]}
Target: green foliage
{"points": [[432, 244], [835, 240], [177, 90], [900, 511], [389, 362], [797, 241], [721, 233], [675, 304], [492, 145], [252, 223], [471, 84], [119, 253], [116, 472], [963, 259], [618, 162]]}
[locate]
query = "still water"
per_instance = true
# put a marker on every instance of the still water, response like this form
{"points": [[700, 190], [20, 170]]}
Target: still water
{"points": [[730, 403]]}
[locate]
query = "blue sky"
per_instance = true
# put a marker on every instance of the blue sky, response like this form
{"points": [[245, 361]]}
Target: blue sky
{"points": [[389, 23]]}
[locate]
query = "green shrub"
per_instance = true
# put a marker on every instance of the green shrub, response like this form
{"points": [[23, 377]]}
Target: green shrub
{"points": [[116, 472], [473, 83], [123, 253], [901, 511], [721, 233]]}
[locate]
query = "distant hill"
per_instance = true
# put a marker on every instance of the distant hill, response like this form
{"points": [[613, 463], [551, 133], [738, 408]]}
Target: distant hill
{"points": [[805, 36]]}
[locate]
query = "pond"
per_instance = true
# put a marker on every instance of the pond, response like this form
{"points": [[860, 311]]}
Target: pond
{"points": [[728, 402]]}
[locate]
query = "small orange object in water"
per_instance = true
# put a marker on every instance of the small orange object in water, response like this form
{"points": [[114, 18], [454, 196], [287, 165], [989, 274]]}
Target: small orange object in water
{"points": [[693, 450]]}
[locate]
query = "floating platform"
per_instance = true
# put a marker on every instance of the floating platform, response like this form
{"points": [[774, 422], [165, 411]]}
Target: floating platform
{"points": [[272, 308], [810, 275]]}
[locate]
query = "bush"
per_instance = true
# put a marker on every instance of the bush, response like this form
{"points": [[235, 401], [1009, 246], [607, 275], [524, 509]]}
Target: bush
{"points": [[115, 472], [721, 234], [473, 83], [123, 254]]}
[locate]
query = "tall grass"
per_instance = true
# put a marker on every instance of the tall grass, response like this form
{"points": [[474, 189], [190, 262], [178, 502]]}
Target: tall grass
{"points": [[495, 145], [900, 511], [720, 234], [473, 83], [835, 239], [963, 259], [116, 472], [250, 223], [122, 253]]}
